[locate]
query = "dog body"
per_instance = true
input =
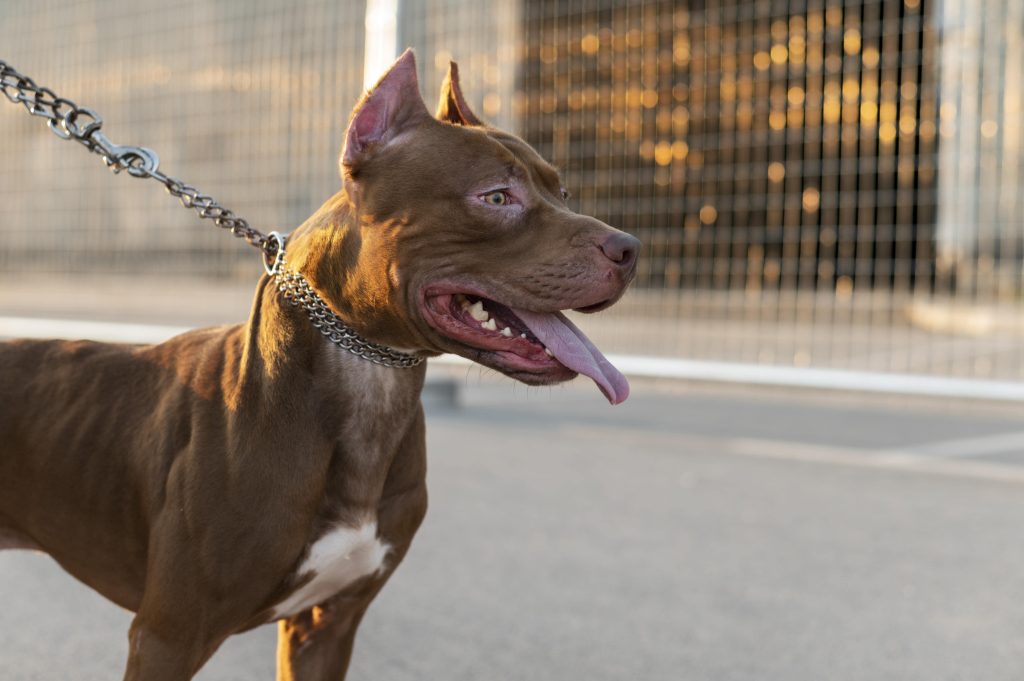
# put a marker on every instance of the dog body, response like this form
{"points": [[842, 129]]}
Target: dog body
{"points": [[240, 475]]}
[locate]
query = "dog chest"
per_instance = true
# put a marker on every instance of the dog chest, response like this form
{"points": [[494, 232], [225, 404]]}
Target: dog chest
{"points": [[335, 560]]}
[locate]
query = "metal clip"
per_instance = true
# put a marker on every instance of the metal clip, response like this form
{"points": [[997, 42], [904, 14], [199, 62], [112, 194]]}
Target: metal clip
{"points": [[138, 161], [273, 259], [70, 126]]}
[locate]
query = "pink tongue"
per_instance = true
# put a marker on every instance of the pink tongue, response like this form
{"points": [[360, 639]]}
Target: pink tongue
{"points": [[573, 349]]}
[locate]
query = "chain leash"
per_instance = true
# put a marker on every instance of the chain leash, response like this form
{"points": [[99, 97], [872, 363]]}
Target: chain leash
{"points": [[69, 121]]}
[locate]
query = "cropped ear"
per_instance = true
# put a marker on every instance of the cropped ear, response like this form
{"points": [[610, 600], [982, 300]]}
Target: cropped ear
{"points": [[453, 107], [390, 107]]}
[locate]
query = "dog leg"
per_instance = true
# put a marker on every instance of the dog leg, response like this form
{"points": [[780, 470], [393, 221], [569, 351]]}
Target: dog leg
{"points": [[316, 645], [153, 656]]}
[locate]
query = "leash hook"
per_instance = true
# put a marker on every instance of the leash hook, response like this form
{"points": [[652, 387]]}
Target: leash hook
{"points": [[138, 161]]}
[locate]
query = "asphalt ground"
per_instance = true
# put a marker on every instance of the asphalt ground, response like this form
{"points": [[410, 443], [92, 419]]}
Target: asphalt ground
{"points": [[691, 533]]}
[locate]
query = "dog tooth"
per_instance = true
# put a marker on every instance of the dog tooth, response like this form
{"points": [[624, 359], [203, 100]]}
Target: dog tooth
{"points": [[549, 353], [477, 311], [490, 325], [523, 336], [506, 332]]}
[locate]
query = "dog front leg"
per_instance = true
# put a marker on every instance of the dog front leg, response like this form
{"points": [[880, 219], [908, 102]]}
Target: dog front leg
{"points": [[316, 645]]}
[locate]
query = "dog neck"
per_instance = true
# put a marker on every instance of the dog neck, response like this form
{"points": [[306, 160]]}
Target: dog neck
{"points": [[288, 370], [300, 293], [344, 255]]}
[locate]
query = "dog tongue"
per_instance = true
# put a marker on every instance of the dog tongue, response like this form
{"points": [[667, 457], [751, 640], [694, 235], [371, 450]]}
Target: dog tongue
{"points": [[573, 349]]}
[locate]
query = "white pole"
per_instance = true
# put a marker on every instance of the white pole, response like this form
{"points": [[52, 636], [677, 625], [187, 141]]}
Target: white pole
{"points": [[381, 39]]}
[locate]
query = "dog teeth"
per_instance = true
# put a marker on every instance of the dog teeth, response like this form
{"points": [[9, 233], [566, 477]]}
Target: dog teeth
{"points": [[506, 332], [523, 336], [477, 312], [490, 325], [549, 353]]}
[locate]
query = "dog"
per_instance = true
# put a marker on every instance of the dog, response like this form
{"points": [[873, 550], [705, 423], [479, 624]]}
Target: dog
{"points": [[235, 476]]}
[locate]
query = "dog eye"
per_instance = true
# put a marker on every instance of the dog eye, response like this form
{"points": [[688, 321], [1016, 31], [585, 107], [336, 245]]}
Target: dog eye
{"points": [[496, 198]]}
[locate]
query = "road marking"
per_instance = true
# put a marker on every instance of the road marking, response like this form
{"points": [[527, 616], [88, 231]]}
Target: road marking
{"points": [[819, 378], [883, 459], [1012, 443], [890, 460], [111, 332], [631, 365]]}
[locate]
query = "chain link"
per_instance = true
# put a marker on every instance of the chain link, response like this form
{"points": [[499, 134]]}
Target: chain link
{"points": [[298, 292], [69, 121]]}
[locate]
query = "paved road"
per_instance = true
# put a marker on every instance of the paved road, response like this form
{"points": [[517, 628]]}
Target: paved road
{"points": [[693, 535]]}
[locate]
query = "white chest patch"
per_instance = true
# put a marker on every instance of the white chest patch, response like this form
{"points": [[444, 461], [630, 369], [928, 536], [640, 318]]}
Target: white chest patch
{"points": [[337, 559]]}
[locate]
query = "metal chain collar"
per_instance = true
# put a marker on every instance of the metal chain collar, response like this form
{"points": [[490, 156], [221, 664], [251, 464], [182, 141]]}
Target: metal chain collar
{"points": [[298, 292], [68, 121]]}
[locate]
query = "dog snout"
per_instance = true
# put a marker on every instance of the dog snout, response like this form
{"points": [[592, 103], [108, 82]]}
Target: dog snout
{"points": [[622, 249]]}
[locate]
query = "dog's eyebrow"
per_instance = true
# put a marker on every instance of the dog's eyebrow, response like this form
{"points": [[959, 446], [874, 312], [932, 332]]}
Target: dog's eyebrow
{"points": [[527, 164], [549, 176], [516, 170]]}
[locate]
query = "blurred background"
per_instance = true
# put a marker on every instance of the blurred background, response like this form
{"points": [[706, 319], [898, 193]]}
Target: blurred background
{"points": [[830, 195], [817, 183]]}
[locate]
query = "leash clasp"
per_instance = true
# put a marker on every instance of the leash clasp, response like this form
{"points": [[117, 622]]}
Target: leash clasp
{"points": [[138, 161], [273, 253]]}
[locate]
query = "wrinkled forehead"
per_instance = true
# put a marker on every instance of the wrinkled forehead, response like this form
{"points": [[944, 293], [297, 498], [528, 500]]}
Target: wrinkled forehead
{"points": [[527, 159]]}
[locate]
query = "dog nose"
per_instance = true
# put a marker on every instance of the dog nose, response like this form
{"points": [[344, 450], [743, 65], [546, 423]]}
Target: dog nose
{"points": [[622, 249]]}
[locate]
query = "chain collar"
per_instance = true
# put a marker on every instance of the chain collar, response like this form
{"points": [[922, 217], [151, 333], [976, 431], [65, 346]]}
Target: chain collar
{"points": [[298, 292]]}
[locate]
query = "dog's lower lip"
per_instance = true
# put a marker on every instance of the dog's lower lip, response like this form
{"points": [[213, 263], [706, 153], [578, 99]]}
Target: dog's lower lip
{"points": [[503, 341]]}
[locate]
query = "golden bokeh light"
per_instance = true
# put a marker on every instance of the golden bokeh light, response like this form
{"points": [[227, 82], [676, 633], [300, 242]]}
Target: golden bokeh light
{"points": [[851, 41], [680, 149], [708, 214], [663, 153], [811, 199], [868, 113]]}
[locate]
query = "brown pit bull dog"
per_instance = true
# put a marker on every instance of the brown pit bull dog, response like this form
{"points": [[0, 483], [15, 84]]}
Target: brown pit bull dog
{"points": [[241, 475]]}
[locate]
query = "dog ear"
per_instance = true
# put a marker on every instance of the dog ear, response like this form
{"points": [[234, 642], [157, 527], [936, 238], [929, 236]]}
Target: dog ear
{"points": [[389, 107], [453, 107]]}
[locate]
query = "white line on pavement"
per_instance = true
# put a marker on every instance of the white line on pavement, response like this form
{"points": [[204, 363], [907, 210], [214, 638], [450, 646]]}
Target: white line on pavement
{"points": [[631, 365], [892, 460], [1012, 443], [111, 332]]}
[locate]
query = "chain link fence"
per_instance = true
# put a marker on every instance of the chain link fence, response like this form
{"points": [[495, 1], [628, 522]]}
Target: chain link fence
{"points": [[818, 183]]}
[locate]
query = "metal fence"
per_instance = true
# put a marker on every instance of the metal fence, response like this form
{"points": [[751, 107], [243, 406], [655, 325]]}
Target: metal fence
{"points": [[818, 183]]}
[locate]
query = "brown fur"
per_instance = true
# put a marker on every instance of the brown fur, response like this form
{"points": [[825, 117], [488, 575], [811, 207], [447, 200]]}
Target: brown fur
{"points": [[186, 481]]}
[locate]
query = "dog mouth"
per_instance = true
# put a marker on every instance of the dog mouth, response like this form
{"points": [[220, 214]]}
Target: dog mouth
{"points": [[534, 347]]}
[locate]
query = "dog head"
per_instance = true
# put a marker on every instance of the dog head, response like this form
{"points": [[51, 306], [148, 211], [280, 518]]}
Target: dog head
{"points": [[452, 236]]}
